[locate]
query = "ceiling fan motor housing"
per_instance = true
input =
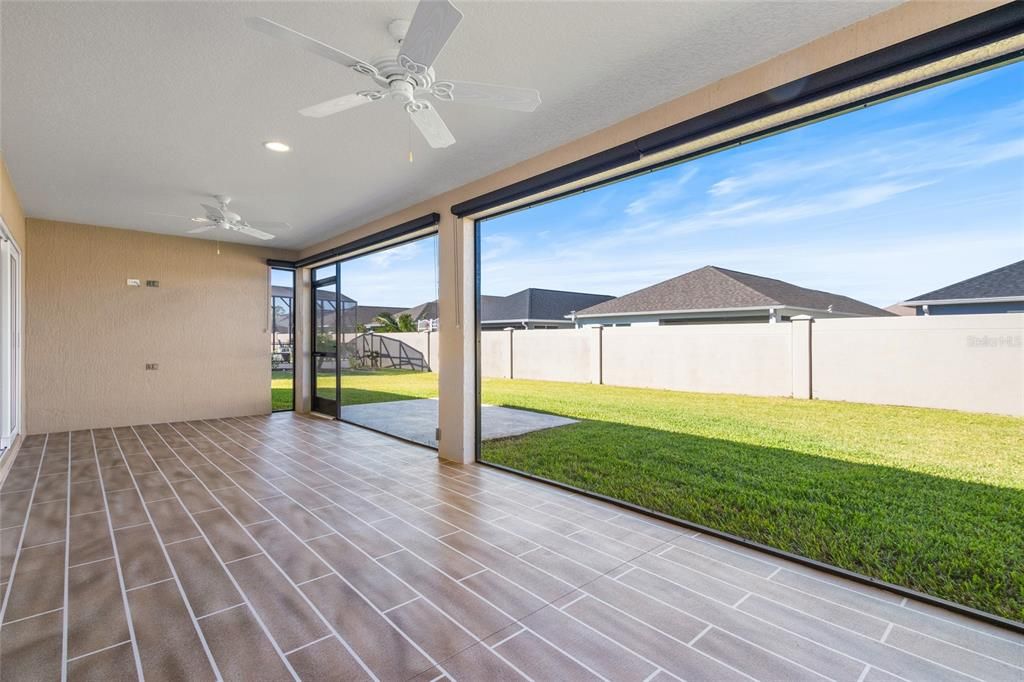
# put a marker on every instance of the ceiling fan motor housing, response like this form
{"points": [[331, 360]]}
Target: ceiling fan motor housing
{"points": [[402, 80]]}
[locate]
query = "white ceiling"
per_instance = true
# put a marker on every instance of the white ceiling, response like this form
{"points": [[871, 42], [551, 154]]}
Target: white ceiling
{"points": [[114, 110]]}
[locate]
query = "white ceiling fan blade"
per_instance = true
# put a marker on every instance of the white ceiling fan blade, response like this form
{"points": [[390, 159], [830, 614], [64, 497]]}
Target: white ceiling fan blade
{"points": [[431, 27], [336, 105], [212, 212], [269, 225], [252, 232], [204, 228], [292, 37], [500, 96], [432, 126]]}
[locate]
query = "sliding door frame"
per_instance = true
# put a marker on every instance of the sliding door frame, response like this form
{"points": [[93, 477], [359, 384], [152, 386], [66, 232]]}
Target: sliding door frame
{"points": [[314, 354], [12, 284], [291, 326]]}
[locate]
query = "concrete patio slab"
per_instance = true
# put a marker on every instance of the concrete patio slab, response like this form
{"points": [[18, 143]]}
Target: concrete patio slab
{"points": [[416, 420]]}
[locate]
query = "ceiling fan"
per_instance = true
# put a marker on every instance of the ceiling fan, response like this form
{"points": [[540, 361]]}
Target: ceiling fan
{"points": [[405, 73], [222, 216]]}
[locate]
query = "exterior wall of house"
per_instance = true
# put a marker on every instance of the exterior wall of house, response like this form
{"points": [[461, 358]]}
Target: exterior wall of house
{"points": [[88, 336], [974, 308], [973, 363]]}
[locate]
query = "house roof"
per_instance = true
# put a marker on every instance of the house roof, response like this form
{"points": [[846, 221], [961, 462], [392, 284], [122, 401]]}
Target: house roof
{"points": [[365, 314], [712, 288], [423, 311], [528, 304], [1004, 282], [536, 304], [901, 310]]}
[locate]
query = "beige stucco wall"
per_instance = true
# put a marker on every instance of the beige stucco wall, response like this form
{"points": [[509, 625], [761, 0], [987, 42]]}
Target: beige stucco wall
{"points": [[88, 336], [959, 362], [882, 30], [753, 359], [495, 354], [10, 207], [552, 354], [973, 363]]}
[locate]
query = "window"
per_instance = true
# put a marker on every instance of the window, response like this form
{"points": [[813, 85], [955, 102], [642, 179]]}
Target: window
{"points": [[679, 393]]}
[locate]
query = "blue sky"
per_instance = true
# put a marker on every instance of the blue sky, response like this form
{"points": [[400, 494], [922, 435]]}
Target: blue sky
{"points": [[880, 204]]}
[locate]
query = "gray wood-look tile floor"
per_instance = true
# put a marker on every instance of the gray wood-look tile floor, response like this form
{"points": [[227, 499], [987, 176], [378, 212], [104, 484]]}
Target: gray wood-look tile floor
{"points": [[289, 547]]}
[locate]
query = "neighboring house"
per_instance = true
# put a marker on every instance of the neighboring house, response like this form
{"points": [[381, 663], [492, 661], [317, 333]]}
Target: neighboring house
{"points": [[424, 312], [997, 291], [527, 309], [535, 309], [716, 295], [367, 314], [353, 315], [901, 310]]}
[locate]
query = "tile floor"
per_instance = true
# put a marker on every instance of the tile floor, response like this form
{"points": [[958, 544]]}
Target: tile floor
{"points": [[290, 547]]}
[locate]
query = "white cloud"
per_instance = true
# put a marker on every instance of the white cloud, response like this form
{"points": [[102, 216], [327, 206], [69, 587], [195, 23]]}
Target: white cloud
{"points": [[662, 192], [495, 246]]}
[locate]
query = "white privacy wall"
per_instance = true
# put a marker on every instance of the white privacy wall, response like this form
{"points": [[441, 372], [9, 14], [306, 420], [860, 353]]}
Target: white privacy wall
{"points": [[754, 359], [552, 354], [960, 362], [964, 362]]}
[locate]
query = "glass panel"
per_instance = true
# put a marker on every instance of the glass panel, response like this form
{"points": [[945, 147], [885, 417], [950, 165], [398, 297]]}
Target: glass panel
{"points": [[325, 310], [390, 340], [326, 325], [282, 340], [326, 367], [14, 383], [681, 376]]}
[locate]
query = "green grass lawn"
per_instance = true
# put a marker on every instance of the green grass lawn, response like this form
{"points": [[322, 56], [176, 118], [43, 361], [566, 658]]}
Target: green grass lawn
{"points": [[359, 386], [281, 390], [930, 499]]}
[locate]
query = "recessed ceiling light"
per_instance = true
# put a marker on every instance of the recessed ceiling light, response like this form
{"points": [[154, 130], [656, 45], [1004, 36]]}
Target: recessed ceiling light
{"points": [[276, 146], [198, 220]]}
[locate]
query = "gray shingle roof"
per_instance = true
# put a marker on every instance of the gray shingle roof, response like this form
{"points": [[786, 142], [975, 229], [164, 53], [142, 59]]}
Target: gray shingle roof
{"points": [[536, 304], [423, 311], [528, 304], [999, 283], [365, 314], [712, 287]]}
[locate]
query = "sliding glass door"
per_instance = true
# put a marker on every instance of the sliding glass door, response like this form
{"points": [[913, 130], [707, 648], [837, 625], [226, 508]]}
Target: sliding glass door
{"points": [[282, 339], [326, 332], [10, 341], [375, 340]]}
